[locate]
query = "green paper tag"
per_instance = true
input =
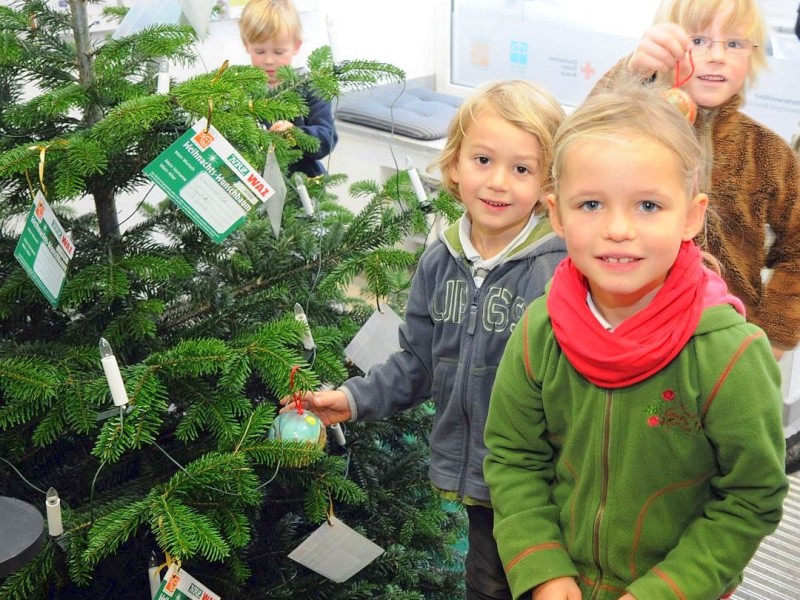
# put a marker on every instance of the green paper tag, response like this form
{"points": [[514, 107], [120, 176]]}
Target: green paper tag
{"points": [[44, 250], [209, 180], [179, 585]]}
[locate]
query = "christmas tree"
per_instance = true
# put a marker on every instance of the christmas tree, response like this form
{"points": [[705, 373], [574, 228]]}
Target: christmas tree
{"points": [[204, 333]]}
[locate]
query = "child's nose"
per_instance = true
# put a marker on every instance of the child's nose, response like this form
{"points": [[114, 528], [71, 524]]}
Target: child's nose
{"points": [[618, 226], [717, 50], [498, 178]]}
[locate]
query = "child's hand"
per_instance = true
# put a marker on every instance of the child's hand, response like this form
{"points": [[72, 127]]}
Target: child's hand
{"points": [[660, 49], [279, 126], [627, 597], [329, 405], [560, 588]]}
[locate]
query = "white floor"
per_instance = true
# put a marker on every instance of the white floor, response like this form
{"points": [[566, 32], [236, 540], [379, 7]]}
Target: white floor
{"points": [[774, 572]]}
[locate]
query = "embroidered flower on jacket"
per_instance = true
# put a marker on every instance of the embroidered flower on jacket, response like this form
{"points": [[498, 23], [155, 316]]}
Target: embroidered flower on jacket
{"points": [[671, 413]]}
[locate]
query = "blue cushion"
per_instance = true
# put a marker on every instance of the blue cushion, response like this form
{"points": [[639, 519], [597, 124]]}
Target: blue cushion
{"points": [[418, 113]]}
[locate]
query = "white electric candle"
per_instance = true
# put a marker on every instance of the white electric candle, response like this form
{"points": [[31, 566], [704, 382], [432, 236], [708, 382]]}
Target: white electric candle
{"points": [[308, 207], [162, 80], [53, 504], [300, 315], [333, 40], [416, 182], [338, 434], [113, 376]]}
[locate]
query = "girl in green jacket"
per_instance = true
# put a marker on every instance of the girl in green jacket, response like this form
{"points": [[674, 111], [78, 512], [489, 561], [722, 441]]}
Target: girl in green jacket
{"points": [[634, 429]]}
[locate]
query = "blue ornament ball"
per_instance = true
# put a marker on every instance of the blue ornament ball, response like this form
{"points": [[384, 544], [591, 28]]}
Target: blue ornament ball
{"points": [[298, 427]]}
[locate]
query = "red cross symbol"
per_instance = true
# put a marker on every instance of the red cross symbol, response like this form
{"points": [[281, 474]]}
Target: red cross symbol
{"points": [[587, 70]]}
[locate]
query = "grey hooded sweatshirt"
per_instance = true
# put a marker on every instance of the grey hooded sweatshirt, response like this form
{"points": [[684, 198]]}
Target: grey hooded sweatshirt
{"points": [[452, 341]]}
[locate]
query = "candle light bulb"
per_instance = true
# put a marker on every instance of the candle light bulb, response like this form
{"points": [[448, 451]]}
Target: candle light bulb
{"points": [[113, 376], [305, 199], [162, 79], [53, 505], [333, 41], [416, 182]]}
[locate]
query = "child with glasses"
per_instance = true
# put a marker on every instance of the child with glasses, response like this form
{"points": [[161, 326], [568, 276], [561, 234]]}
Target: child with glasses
{"points": [[634, 429], [753, 183]]}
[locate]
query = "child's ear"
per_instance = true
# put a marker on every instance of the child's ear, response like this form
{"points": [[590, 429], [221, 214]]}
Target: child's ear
{"points": [[695, 217], [297, 44], [555, 218], [452, 172]]}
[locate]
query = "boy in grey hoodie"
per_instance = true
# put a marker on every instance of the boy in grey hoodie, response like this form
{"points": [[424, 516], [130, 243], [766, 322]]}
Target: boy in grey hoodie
{"points": [[470, 289]]}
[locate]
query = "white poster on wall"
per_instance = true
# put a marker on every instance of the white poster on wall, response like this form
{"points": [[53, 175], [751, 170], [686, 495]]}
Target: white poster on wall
{"points": [[554, 54], [567, 54]]}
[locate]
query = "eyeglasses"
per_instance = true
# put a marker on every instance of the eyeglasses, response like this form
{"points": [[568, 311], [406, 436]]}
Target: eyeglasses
{"points": [[733, 47]]}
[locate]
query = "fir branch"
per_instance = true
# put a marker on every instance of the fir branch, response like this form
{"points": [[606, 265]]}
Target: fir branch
{"points": [[79, 405], [192, 358], [211, 475], [52, 424], [29, 385], [234, 526], [133, 117], [54, 105], [184, 532], [290, 454], [110, 531], [129, 54], [32, 580], [112, 441]]}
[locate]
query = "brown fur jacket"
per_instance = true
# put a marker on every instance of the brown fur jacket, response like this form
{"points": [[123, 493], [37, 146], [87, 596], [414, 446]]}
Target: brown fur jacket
{"points": [[753, 185]]}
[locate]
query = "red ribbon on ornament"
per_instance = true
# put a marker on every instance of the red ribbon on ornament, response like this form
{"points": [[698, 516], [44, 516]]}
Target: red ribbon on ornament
{"points": [[297, 395], [678, 81]]}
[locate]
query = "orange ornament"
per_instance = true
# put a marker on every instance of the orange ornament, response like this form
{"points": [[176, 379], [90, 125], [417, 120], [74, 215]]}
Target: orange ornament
{"points": [[682, 101], [680, 98]]}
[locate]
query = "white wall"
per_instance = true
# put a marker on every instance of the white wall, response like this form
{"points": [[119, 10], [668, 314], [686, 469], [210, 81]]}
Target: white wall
{"points": [[399, 33]]}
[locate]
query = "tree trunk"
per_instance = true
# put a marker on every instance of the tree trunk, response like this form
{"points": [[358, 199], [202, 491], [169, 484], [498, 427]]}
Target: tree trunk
{"points": [[104, 201]]}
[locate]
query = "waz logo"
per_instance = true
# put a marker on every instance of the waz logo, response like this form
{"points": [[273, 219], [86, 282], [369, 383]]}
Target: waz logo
{"points": [[238, 165], [501, 310]]}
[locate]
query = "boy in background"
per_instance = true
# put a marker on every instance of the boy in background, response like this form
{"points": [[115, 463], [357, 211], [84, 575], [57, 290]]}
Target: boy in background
{"points": [[272, 35]]}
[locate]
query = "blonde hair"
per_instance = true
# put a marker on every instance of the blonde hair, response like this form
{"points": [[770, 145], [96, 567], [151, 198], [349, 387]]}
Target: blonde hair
{"points": [[521, 103], [695, 15], [264, 20], [627, 111], [624, 113]]}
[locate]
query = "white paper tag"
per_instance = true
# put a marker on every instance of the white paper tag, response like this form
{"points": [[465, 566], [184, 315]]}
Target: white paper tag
{"points": [[336, 551], [376, 341], [44, 250]]}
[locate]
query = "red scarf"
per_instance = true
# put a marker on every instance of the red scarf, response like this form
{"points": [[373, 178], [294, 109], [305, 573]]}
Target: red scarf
{"points": [[644, 343]]}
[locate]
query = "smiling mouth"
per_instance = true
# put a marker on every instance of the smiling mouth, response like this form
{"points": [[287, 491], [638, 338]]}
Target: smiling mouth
{"points": [[494, 203], [622, 260], [717, 78]]}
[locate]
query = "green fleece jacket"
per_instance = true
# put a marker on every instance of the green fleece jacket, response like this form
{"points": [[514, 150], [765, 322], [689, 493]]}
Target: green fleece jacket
{"points": [[664, 488]]}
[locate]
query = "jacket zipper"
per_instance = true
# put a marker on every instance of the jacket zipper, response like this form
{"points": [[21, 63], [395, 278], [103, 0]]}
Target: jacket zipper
{"points": [[471, 324], [598, 587]]}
